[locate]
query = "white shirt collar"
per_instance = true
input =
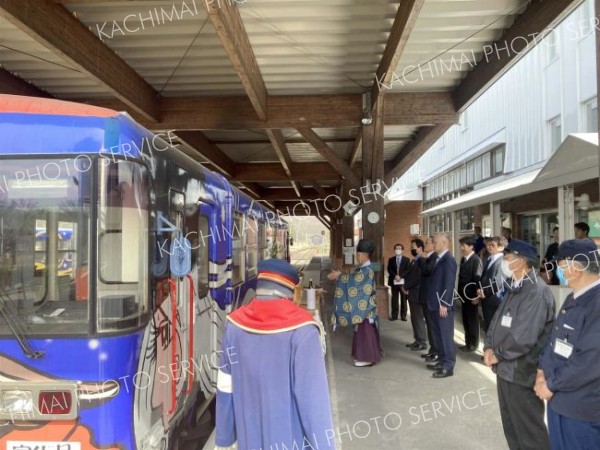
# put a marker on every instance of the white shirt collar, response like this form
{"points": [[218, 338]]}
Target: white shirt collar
{"points": [[469, 255], [496, 256], [585, 289], [366, 263], [442, 254]]}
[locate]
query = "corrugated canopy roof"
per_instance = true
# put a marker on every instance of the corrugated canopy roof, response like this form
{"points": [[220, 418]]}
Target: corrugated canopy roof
{"points": [[239, 80]]}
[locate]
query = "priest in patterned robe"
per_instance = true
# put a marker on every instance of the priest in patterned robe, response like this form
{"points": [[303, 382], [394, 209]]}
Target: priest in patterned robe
{"points": [[355, 306]]}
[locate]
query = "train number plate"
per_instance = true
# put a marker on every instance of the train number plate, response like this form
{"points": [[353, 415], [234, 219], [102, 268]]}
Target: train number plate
{"points": [[42, 445]]}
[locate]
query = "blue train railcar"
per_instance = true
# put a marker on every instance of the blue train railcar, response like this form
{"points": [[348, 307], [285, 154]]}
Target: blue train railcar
{"points": [[121, 352]]}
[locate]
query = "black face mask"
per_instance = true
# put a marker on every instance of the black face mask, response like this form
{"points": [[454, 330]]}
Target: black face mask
{"points": [[413, 251]]}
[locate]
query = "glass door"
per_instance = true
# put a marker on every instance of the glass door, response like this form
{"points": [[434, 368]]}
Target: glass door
{"points": [[531, 230]]}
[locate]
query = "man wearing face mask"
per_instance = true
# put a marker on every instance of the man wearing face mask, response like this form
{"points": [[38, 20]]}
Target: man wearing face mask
{"points": [[411, 288], [397, 267], [513, 344], [569, 375]]}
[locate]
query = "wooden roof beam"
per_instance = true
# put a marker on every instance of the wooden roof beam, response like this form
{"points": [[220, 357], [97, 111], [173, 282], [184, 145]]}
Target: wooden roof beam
{"points": [[278, 142], [273, 172], [226, 19], [288, 194], [12, 84], [199, 142], [356, 147], [292, 111], [404, 22], [53, 26], [336, 162]]}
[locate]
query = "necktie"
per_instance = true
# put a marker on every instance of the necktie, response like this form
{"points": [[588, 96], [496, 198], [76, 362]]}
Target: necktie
{"points": [[397, 264]]}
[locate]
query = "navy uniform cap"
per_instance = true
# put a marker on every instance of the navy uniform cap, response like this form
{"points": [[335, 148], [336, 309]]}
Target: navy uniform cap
{"points": [[521, 248], [577, 250]]}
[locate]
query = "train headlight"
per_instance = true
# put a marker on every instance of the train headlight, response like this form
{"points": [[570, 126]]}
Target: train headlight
{"points": [[17, 402]]}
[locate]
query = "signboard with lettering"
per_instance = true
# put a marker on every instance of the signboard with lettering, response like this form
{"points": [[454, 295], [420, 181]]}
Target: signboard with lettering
{"points": [[41, 445]]}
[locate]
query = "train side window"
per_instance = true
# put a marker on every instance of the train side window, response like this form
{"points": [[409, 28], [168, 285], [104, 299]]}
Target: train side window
{"points": [[203, 256], [237, 244], [251, 233], [262, 241], [123, 249]]}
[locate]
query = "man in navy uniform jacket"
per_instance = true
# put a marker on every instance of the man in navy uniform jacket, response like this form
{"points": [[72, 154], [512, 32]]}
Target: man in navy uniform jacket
{"points": [[569, 371], [440, 301], [516, 336]]}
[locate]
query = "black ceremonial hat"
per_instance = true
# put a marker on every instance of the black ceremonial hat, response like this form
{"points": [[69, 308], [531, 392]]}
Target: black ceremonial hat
{"points": [[366, 246]]}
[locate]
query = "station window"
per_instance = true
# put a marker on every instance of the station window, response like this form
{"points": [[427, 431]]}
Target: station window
{"points": [[498, 160], [486, 166], [478, 170], [237, 244], [552, 43], [590, 112], [467, 219], [555, 130], [470, 173]]}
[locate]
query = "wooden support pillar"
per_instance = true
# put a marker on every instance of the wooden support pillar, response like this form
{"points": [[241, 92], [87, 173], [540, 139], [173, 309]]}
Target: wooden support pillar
{"points": [[373, 208], [346, 230]]}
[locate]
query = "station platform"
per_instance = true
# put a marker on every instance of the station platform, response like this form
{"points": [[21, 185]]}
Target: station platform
{"points": [[423, 413], [396, 404]]}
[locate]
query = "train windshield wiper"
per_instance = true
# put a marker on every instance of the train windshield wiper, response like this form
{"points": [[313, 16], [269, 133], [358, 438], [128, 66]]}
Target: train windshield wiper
{"points": [[17, 328]]}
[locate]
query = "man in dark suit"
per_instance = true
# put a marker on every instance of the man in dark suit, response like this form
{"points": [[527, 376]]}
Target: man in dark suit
{"points": [[426, 261], [469, 277], [440, 301], [397, 267], [412, 282], [493, 283], [479, 240]]}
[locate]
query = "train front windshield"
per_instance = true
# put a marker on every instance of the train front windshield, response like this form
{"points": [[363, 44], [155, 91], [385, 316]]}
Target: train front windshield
{"points": [[44, 245]]}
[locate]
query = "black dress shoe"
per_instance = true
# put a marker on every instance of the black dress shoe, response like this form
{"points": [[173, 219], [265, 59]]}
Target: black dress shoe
{"points": [[443, 373], [428, 355], [418, 348], [463, 347], [403, 319], [436, 367], [470, 349], [433, 359], [392, 319], [412, 344]]}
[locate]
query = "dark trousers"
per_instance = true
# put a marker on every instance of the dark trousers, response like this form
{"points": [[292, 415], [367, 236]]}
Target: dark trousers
{"points": [[489, 305], [470, 319], [572, 434], [443, 335], [398, 295], [417, 320], [522, 416], [429, 319]]}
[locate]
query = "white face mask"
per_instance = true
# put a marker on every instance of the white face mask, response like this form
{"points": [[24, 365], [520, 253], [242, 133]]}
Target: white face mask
{"points": [[505, 269], [398, 252]]}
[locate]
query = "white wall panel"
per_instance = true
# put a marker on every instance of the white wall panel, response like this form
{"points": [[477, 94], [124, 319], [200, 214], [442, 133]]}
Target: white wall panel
{"points": [[515, 110]]}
